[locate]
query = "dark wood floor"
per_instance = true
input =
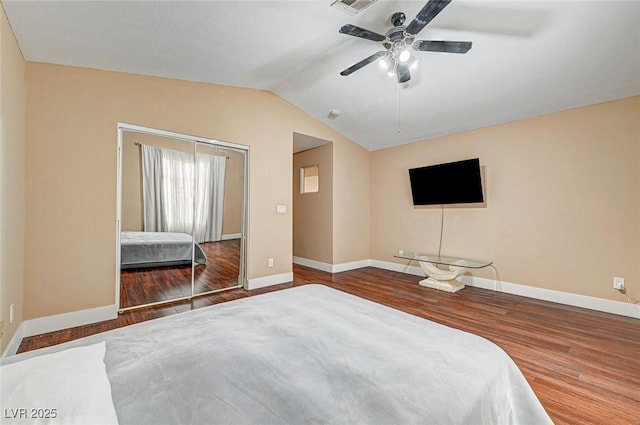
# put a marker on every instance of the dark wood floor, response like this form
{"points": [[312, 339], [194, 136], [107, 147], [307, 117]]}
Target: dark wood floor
{"points": [[583, 365], [157, 284]]}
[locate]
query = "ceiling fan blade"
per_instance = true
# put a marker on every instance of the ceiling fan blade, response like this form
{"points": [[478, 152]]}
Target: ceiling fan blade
{"points": [[363, 62], [442, 46], [428, 12], [403, 73], [362, 33]]}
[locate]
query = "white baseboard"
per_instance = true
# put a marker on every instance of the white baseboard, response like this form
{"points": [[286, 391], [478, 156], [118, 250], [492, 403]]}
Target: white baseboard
{"points": [[395, 267], [274, 279], [58, 322], [592, 303], [576, 300], [331, 268], [230, 236], [318, 265], [343, 267], [14, 343]]}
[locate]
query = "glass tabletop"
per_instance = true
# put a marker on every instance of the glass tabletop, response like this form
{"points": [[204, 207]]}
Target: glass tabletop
{"points": [[447, 261]]}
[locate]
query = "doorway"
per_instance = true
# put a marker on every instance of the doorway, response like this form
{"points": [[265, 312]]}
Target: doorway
{"points": [[312, 202]]}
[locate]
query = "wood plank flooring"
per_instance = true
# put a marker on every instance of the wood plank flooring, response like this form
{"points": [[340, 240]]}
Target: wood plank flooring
{"points": [[583, 365], [156, 284]]}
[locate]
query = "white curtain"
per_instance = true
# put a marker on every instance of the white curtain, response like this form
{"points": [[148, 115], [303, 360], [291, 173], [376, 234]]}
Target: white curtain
{"points": [[209, 206], [169, 181]]}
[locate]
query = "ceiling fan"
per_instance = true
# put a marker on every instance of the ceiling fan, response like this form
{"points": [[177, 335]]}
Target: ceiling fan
{"points": [[397, 57]]}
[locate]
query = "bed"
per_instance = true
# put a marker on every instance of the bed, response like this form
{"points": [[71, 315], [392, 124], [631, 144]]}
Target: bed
{"points": [[157, 249], [309, 354]]}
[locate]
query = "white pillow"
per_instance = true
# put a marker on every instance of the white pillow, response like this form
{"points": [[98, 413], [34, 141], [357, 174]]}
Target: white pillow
{"points": [[67, 387]]}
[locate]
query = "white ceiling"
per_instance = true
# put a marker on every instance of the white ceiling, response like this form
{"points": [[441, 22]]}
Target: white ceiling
{"points": [[528, 57]]}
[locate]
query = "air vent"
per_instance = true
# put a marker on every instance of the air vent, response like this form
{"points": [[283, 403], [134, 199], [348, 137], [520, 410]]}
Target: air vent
{"points": [[352, 7]]}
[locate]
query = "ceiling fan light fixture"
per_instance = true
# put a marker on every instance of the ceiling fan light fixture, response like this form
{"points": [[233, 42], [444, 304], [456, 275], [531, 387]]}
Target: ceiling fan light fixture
{"points": [[400, 42], [404, 55]]}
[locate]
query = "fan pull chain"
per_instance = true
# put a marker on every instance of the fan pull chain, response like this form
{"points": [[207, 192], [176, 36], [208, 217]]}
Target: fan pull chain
{"points": [[398, 106]]}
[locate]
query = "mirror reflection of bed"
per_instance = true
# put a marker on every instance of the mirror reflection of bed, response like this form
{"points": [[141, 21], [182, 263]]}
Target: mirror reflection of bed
{"points": [[144, 285], [182, 214]]}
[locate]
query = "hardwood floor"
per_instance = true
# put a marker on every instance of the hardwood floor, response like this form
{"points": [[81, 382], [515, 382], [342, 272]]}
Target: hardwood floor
{"points": [[583, 365], [156, 284], [223, 270]]}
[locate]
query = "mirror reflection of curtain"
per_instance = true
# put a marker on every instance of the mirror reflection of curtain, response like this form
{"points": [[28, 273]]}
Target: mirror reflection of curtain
{"points": [[210, 178], [167, 187], [168, 180]]}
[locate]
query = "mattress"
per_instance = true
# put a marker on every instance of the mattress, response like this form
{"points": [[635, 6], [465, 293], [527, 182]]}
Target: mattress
{"points": [[155, 249], [309, 354]]}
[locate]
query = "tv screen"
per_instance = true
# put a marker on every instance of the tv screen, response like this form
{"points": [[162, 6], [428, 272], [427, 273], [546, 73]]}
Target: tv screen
{"points": [[451, 183]]}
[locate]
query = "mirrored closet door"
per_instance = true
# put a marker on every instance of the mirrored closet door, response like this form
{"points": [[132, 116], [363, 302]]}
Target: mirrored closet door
{"points": [[218, 215], [181, 216]]}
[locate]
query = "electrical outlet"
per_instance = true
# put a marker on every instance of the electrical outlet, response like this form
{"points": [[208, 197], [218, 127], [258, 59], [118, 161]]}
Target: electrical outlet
{"points": [[11, 313], [270, 262], [401, 252], [618, 283]]}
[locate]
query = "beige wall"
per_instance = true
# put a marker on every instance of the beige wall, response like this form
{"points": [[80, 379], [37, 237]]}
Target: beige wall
{"points": [[72, 116], [313, 212], [562, 200], [12, 185], [351, 203]]}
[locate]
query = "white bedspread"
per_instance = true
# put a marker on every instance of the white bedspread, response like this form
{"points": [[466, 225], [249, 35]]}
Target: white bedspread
{"points": [[310, 354], [153, 249], [68, 387]]}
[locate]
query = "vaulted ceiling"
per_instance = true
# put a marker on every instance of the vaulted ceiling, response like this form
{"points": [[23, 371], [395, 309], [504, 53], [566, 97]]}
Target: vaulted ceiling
{"points": [[528, 57]]}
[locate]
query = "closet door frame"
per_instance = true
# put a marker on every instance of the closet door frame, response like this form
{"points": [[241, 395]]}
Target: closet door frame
{"points": [[122, 127]]}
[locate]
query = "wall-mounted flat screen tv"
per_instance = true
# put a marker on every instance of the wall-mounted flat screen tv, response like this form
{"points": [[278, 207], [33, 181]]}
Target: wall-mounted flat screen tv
{"points": [[450, 183]]}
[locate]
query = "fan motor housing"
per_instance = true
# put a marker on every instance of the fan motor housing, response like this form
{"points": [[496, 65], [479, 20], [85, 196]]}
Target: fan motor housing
{"points": [[396, 33], [398, 19]]}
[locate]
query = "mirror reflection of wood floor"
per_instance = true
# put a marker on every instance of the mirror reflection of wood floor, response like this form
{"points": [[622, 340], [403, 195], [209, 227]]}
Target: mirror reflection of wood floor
{"points": [[154, 284]]}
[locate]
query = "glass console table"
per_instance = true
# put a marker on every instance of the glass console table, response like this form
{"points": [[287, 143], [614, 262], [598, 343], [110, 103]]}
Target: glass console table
{"points": [[442, 279]]}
